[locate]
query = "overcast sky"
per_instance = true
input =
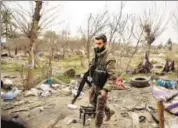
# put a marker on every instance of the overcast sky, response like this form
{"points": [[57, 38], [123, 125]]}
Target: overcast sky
{"points": [[74, 13]]}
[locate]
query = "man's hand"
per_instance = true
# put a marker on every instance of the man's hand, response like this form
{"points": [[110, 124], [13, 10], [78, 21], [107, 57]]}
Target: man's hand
{"points": [[104, 93], [89, 79]]}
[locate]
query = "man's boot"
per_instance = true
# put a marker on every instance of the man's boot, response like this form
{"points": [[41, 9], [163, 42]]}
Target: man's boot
{"points": [[99, 119], [109, 113]]}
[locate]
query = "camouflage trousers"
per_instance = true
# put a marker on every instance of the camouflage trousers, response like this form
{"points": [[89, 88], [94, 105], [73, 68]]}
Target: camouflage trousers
{"points": [[100, 104]]}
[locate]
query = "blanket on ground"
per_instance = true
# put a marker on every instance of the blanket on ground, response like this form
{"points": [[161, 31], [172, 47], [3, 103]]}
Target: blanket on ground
{"points": [[168, 97]]}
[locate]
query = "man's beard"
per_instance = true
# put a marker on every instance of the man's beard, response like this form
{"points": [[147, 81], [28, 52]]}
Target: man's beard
{"points": [[98, 50]]}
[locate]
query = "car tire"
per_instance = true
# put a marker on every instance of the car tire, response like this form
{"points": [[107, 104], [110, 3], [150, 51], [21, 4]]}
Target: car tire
{"points": [[140, 82]]}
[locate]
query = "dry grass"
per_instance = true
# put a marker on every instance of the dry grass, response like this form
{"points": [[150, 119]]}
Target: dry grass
{"points": [[75, 63]]}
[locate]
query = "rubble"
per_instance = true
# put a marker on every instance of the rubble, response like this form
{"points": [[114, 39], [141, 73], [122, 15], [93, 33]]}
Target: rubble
{"points": [[52, 91], [10, 95], [45, 90], [45, 87], [56, 86], [45, 94], [72, 106], [32, 92], [74, 93], [66, 91], [10, 76], [6, 106], [155, 125], [73, 82], [124, 114], [135, 120], [7, 83], [72, 121], [41, 109]]}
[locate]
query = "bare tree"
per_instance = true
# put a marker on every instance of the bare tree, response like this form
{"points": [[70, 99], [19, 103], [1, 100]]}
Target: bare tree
{"points": [[153, 23], [23, 17], [136, 33], [65, 41], [33, 35], [32, 23], [175, 19], [117, 25], [95, 24], [51, 38], [8, 26]]}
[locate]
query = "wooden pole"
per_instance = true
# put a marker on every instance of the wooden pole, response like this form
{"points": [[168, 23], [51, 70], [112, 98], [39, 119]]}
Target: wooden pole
{"points": [[161, 114]]}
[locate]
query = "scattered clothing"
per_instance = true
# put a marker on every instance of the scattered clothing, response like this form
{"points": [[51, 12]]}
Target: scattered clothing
{"points": [[119, 84]]}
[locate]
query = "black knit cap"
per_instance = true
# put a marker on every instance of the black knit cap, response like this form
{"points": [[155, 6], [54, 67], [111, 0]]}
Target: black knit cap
{"points": [[101, 37]]}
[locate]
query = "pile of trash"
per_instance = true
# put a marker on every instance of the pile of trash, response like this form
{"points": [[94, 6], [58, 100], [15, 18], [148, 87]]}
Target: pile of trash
{"points": [[10, 95], [47, 89], [44, 90], [8, 92]]}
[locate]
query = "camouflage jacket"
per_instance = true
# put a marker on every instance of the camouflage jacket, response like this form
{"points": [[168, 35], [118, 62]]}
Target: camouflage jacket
{"points": [[106, 61]]}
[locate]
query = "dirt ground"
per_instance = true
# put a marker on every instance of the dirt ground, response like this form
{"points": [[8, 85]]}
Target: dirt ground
{"points": [[52, 111]]}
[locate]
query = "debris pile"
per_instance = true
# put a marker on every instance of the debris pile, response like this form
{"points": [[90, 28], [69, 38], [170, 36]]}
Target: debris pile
{"points": [[169, 67], [144, 68], [10, 95]]}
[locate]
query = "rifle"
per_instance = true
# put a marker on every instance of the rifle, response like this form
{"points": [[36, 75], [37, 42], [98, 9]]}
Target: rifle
{"points": [[82, 83], [85, 79]]}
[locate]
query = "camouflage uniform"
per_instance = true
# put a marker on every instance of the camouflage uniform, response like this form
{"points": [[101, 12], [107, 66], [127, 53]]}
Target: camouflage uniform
{"points": [[106, 61]]}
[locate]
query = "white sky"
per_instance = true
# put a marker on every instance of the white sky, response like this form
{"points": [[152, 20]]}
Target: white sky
{"points": [[75, 13]]}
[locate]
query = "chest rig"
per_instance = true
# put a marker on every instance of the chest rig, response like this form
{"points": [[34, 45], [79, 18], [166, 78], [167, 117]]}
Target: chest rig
{"points": [[100, 73]]}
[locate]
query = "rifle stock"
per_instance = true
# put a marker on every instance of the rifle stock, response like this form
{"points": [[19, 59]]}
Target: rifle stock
{"points": [[82, 83]]}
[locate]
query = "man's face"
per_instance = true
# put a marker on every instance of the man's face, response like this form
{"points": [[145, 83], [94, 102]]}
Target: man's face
{"points": [[99, 43]]}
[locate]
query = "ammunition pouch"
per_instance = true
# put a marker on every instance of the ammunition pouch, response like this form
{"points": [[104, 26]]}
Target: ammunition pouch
{"points": [[100, 78]]}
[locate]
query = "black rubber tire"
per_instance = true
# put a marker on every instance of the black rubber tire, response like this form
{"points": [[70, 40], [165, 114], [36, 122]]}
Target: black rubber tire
{"points": [[140, 82]]}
